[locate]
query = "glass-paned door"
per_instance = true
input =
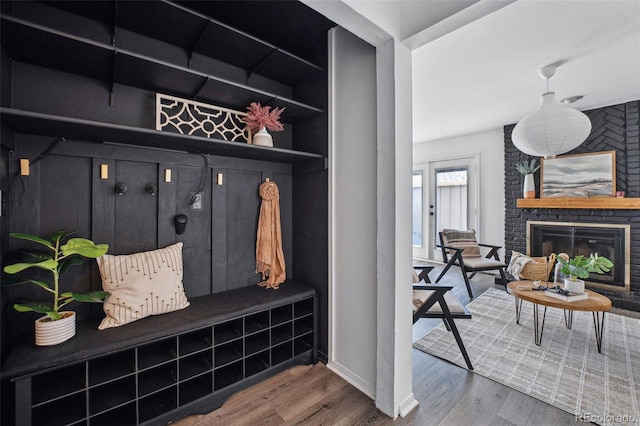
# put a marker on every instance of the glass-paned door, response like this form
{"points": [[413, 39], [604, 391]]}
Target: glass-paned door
{"points": [[445, 195]]}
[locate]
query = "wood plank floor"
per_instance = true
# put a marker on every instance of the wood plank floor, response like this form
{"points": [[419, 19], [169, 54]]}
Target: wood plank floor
{"points": [[447, 394]]}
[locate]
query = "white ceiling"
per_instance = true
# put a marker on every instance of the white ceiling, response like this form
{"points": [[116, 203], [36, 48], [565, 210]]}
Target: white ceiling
{"points": [[475, 62]]}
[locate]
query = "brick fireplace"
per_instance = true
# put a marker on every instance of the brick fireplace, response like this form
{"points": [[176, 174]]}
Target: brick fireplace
{"points": [[616, 128]]}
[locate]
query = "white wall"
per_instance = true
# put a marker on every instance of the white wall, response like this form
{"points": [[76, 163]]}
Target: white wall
{"points": [[352, 207], [490, 146], [394, 394]]}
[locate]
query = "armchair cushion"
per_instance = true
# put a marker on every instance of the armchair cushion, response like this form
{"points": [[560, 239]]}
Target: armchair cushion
{"points": [[463, 239], [419, 297], [482, 262]]}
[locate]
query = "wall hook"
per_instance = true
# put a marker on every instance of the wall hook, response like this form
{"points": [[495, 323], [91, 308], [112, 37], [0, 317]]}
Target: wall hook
{"points": [[120, 188], [180, 223], [151, 189]]}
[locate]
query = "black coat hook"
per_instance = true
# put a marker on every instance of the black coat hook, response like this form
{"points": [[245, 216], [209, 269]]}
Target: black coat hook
{"points": [[180, 222], [120, 188], [151, 188]]}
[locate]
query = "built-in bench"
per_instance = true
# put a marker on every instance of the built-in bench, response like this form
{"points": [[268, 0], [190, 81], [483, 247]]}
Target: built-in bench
{"points": [[164, 367]]}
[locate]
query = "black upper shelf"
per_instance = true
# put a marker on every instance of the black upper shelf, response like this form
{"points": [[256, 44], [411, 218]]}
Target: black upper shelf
{"points": [[195, 32], [28, 42], [88, 130]]}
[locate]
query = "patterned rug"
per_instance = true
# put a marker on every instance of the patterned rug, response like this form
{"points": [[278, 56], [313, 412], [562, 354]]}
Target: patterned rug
{"points": [[566, 370]]}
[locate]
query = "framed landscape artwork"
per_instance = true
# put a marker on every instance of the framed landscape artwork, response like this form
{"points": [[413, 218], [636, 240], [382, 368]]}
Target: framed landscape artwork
{"points": [[581, 175]]}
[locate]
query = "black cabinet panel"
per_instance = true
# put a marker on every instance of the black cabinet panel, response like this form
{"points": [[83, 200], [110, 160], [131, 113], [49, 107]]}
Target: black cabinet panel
{"points": [[243, 208], [136, 217]]}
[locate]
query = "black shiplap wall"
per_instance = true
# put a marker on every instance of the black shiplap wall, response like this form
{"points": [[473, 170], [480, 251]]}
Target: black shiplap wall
{"points": [[219, 242], [616, 128]]}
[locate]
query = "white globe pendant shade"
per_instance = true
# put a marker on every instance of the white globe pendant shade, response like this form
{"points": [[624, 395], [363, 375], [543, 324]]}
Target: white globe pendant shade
{"points": [[551, 130]]}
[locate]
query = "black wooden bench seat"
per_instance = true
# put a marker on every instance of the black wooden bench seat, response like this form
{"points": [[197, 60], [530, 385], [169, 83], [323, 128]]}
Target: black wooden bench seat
{"points": [[204, 310], [27, 361]]}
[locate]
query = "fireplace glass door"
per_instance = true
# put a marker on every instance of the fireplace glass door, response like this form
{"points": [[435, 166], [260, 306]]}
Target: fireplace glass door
{"points": [[582, 240]]}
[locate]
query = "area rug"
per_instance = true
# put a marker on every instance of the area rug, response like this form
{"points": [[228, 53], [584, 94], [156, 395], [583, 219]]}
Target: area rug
{"points": [[565, 371]]}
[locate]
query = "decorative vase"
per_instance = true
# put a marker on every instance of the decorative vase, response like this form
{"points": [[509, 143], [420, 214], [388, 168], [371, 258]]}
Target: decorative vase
{"points": [[529, 189], [574, 286], [262, 138], [50, 332]]}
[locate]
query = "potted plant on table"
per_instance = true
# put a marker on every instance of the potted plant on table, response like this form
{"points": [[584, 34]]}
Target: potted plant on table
{"points": [[527, 169], [57, 325], [580, 267], [259, 119]]}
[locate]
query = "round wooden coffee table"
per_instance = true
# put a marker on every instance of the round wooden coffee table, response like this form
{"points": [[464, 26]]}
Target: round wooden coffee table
{"points": [[597, 304]]}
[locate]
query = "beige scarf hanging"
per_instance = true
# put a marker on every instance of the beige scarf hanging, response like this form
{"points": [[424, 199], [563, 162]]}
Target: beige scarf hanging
{"points": [[269, 254]]}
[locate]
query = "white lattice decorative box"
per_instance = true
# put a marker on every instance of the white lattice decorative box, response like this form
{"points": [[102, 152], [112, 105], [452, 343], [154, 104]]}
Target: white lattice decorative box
{"points": [[198, 119]]}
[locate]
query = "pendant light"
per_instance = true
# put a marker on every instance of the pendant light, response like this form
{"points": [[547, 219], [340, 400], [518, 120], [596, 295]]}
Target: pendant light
{"points": [[553, 128]]}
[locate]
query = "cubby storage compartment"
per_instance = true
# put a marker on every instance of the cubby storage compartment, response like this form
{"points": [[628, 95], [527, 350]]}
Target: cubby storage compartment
{"points": [[281, 333], [227, 331], [157, 378], [195, 364], [195, 388], [302, 344], [303, 308], [302, 326], [281, 314], [256, 342], [61, 411], [227, 375], [58, 383], [111, 367], [111, 395], [256, 322], [228, 352], [124, 415], [256, 363], [281, 353], [157, 404], [195, 341], [157, 353]]}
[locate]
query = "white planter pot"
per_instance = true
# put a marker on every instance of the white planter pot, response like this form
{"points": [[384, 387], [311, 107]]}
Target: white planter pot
{"points": [[53, 332], [262, 138], [574, 286], [529, 189]]}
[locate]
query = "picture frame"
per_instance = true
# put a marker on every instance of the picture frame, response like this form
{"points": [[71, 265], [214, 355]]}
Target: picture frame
{"points": [[579, 175]]}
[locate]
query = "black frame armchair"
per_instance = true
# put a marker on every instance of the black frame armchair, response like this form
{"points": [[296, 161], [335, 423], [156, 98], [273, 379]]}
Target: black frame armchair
{"points": [[436, 301], [470, 265]]}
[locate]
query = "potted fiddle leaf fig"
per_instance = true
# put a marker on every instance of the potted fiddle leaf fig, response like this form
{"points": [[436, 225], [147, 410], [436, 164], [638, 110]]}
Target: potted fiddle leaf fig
{"points": [[579, 267], [57, 325]]}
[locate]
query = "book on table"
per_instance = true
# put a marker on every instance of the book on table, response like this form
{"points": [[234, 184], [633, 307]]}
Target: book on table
{"points": [[571, 297]]}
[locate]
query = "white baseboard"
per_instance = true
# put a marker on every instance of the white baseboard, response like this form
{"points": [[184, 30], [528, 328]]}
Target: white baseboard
{"points": [[407, 405], [361, 384]]}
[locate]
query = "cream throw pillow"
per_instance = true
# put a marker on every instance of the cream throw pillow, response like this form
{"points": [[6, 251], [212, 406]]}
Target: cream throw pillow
{"points": [[141, 284]]}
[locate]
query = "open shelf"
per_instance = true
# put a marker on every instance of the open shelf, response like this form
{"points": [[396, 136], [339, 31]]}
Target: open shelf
{"points": [[602, 203], [32, 43], [76, 128], [200, 34]]}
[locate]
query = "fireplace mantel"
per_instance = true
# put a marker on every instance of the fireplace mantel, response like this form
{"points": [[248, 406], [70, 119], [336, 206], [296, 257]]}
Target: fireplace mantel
{"points": [[606, 203]]}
